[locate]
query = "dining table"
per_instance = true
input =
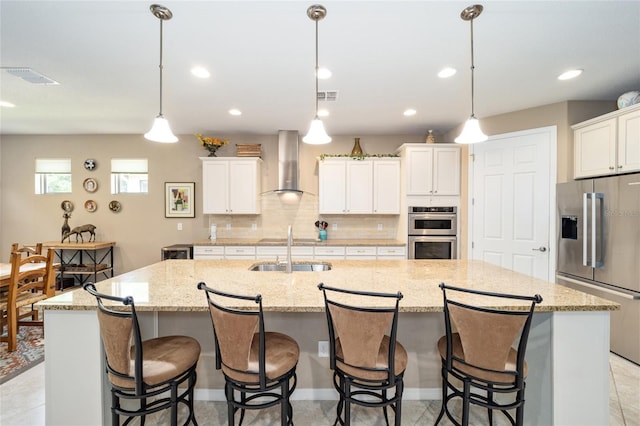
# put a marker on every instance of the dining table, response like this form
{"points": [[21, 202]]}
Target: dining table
{"points": [[5, 274]]}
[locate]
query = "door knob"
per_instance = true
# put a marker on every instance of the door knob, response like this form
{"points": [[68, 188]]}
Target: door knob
{"points": [[542, 249]]}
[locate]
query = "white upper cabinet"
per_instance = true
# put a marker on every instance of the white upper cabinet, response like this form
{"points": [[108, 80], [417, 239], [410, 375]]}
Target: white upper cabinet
{"points": [[348, 186], [230, 185], [432, 169], [608, 144]]}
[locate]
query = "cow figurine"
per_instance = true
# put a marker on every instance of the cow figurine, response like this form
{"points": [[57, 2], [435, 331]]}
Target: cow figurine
{"points": [[78, 230]]}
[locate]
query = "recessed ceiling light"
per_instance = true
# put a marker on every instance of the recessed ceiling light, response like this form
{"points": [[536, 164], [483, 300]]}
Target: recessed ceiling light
{"points": [[409, 112], [6, 104], [234, 111], [324, 73], [567, 75], [323, 113], [446, 72], [200, 72]]}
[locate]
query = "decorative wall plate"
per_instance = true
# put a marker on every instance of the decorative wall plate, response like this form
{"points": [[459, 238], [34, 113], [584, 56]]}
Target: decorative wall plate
{"points": [[67, 206], [90, 206], [90, 164], [90, 185], [115, 206]]}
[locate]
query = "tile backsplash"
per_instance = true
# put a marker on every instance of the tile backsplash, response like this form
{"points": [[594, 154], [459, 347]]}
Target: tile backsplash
{"points": [[277, 215]]}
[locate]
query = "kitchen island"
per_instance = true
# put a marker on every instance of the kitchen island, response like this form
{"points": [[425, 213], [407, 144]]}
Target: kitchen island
{"points": [[567, 354]]}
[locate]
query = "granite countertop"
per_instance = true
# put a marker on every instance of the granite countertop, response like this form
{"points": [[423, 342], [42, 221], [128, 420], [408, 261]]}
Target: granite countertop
{"points": [[298, 242], [171, 285]]}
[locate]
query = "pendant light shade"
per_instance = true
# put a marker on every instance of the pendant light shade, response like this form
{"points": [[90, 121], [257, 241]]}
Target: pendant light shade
{"points": [[316, 135], [471, 133], [161, 131]]}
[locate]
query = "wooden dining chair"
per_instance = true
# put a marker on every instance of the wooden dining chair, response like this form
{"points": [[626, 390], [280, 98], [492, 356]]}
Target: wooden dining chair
{"points": [[28, 250], [32, 280]]}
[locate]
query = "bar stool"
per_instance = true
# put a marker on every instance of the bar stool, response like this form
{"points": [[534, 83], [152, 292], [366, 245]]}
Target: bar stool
{"points": [[480, 354], [259, 365], [142, 370], [365, 357]]}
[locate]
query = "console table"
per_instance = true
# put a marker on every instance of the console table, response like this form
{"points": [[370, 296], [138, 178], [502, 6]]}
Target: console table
{"points": [[83, 260]]}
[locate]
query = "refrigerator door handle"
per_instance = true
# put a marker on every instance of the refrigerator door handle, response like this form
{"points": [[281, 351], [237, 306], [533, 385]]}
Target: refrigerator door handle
{"points": [[596, 240], [585, 233]]}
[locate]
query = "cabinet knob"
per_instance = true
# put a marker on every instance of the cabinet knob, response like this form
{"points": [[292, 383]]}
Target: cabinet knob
{"points": [[435, 192], [610, 167], [620, 166]]}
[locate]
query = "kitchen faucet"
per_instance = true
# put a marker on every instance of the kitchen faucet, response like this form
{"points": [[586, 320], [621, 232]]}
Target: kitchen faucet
{"points": [[289, 244]]}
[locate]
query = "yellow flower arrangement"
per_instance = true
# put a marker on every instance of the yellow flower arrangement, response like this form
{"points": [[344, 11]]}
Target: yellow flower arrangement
{"points": [[211, 144]]}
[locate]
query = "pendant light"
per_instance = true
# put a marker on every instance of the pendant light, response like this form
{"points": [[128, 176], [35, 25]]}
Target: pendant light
{"points": [[471, 133], [316, 135], [161, 132]]}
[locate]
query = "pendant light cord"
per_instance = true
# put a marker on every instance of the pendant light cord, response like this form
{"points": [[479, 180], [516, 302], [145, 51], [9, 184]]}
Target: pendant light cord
{"points": [[161, 22], [316, 75], [472, 72]]}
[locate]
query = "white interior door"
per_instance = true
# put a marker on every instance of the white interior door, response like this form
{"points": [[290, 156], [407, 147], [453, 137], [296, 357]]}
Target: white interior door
{"points": [[512, 189]]}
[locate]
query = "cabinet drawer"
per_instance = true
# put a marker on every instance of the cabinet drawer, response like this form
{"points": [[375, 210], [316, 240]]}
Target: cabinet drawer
{"points": [[332, 252], [271, 251], [361, 251], [240, 250], [208, 250], [392, 251]]}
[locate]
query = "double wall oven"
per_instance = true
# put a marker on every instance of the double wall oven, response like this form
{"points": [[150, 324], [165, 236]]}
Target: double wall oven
{"points": [[433, 232]]}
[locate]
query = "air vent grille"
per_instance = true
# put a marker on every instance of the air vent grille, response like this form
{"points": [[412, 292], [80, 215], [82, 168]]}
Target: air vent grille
{"points": [[328, 95], [31, 76]]}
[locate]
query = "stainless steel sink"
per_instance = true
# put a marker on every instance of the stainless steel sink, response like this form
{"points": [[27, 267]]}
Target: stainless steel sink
{"points": [[295, 266]]}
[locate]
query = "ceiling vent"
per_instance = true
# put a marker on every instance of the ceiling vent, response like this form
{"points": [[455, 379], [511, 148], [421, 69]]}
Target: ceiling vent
{"points": [[328, 95], [31, 76]]}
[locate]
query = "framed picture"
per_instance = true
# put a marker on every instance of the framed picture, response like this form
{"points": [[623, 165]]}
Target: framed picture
{"points": [[179, 199]]}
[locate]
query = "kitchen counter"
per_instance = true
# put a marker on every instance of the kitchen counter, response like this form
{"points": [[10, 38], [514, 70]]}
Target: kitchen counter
{"points": [[565, 389], [298, 242], [297, 292]]}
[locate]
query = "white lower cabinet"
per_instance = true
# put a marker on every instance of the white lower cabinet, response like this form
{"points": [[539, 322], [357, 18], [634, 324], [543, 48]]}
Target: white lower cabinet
{"points": [[329, 252], [208, 252], [361, 253], [239, 252], [391, 253], [280, 252]]}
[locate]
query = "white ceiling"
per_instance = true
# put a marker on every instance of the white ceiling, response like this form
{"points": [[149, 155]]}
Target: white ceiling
{"points": [[384, 56]]}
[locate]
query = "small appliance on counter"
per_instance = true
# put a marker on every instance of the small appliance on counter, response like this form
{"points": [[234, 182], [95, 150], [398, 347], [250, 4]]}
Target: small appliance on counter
{"points": [[177, 251], [599, 249]]}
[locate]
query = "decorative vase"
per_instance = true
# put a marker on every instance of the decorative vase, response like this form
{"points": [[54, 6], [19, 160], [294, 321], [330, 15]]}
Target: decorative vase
{"points": [[430, 137], [323, 235], [356, 147], [212, 154]]}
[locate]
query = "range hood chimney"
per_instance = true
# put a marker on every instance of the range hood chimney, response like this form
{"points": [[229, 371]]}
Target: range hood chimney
{"points": [[288, 162]]}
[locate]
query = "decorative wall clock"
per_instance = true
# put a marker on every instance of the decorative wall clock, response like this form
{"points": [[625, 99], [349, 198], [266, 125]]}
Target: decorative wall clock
{"points": [[90, 164]]}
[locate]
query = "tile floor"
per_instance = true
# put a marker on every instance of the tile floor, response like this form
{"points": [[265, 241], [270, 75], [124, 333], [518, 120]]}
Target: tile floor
{"points": [[22, 404]]}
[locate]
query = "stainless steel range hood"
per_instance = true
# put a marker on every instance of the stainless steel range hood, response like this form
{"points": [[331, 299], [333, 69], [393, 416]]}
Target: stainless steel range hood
{"points": [[288, 171]]}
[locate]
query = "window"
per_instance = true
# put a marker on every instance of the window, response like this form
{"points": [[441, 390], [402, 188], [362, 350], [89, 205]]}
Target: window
{"points": [[129, 175], [53, 176]]}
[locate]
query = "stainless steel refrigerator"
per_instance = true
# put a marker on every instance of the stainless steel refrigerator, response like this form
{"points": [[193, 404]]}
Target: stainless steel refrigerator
{"points": [[599, 249]]}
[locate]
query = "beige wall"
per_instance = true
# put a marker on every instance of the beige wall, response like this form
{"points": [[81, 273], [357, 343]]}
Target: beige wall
{"points": [[140, 228]]}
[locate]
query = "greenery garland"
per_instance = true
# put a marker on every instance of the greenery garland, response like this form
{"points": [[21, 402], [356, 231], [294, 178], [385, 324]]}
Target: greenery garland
{"points": [[357, 157]]}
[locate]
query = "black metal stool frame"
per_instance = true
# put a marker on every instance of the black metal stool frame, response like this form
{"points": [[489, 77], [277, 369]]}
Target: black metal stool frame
{"points": [[265, 389], [142, 391], [470, 381], [344, 382]]}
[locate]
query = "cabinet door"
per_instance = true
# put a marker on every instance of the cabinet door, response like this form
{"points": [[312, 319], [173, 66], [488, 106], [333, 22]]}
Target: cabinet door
{"points": [[215, 187], [446, 171], [419, 171], [386, 187], [359, 196], [629, 142], [595, 149], [332, 188], [243, 187]]}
